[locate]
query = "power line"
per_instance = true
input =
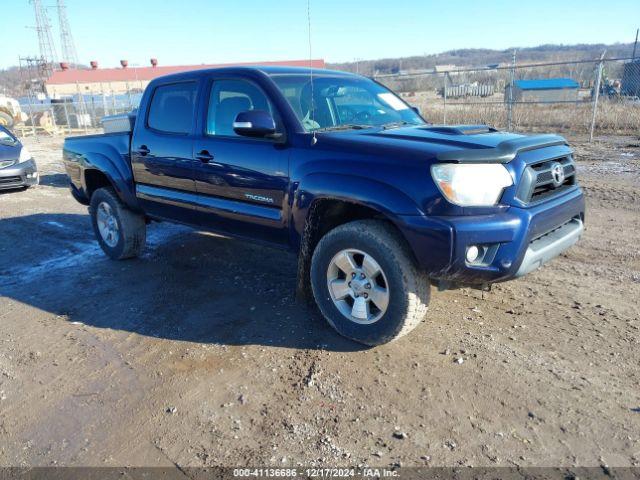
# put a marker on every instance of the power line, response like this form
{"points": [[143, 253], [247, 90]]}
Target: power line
{"points": [[69, 53], [45, 38]]}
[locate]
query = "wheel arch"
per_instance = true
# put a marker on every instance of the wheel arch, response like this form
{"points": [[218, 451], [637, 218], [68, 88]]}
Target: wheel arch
{"points": [[94, 179], [317, 212], [101, 171]]}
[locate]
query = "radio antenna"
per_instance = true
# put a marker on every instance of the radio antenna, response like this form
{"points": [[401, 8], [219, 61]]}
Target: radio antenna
{"points": [[314, 140]]}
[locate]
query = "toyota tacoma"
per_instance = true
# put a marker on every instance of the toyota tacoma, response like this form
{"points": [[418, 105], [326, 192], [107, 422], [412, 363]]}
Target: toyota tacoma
{"points": [[378, 204]]}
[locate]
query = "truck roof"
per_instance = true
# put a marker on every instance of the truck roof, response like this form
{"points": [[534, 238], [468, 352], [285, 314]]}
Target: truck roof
{"points": [[265, 69]]}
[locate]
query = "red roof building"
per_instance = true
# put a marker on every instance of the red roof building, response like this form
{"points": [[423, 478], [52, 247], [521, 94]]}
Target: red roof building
{"points": [[109, 81]]}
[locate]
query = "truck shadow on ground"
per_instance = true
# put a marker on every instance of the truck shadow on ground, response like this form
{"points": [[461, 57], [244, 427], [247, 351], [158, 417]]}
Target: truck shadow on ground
{"points": [[59, 180], [54, 180], [188, 286]]}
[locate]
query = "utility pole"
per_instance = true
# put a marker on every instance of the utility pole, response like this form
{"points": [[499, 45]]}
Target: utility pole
{"points": [[69, 53], [45, 38], [511, 84], [26, 76], [597, 95], [635, 44], [444, 98]]}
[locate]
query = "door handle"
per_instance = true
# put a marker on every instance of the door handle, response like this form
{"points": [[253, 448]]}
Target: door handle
{"points": [[143, 150], [204, 156]]}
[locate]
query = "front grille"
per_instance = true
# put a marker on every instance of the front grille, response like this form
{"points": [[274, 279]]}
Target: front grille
{"points": [[10, 180], [538, 183]]}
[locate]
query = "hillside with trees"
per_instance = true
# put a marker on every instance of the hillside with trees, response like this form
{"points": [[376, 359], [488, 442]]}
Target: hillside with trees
{"points": [[476, 57]]}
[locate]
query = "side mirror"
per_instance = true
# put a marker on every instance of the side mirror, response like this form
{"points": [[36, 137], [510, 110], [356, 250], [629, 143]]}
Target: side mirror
{"points": [[417, 110], [254, 123]]}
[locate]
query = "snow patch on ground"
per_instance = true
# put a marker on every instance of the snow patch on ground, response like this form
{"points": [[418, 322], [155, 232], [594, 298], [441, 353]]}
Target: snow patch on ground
{"points": [[79, 254], [609, 167]]}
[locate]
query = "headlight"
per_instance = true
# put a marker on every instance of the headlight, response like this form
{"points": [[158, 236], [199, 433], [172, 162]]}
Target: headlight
{"points": [[468, 184], [24, 155]]}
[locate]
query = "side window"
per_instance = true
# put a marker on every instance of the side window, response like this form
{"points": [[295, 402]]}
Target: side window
{"points": [[172, 107], [230, 97]]}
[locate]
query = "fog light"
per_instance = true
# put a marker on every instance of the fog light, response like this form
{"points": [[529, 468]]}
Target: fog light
{"points": [[472, 253]]}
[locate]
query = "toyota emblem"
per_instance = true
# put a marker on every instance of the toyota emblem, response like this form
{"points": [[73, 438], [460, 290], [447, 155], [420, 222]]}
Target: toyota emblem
{"points": [[557, 174]]}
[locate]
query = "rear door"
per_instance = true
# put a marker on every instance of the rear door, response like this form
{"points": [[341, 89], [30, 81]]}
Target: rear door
{"points": [[162, 152], [241, 182]]}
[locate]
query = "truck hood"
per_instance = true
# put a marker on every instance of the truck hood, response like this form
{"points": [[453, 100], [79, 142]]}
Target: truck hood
{"points": [[440, 142]]}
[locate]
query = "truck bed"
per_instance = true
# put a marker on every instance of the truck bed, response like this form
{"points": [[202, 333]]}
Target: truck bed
{"points": [[107, 152]]}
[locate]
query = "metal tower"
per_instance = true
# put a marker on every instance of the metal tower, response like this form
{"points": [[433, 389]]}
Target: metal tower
{"points": [[45, 38], [67, 45]]}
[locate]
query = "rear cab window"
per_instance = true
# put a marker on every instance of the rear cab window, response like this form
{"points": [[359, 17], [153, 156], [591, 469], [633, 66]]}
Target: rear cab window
{"points": [[172, 108]]}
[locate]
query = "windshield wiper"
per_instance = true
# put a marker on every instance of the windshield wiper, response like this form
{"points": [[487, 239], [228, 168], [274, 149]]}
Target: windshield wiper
{"points": [[390, 125], [346, 126]]}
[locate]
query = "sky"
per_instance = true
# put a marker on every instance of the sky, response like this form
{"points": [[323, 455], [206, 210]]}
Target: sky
{"points": [[182, 32]]}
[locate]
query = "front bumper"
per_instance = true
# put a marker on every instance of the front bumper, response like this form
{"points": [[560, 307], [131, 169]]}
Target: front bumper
{"points": [[550, 245], [518, 240], [23, 174]]}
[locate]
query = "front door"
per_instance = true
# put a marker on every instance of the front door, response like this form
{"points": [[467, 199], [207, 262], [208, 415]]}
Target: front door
{"points": [[162, 153], [241, 182]]}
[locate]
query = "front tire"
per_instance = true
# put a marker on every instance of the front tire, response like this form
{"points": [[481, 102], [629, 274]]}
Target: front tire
{"points": [[120, 232], [367, 284]]}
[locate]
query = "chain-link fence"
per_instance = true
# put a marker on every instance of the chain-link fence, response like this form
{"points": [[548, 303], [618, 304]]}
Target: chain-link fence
{"points": [[582, 96], [77, 115]]}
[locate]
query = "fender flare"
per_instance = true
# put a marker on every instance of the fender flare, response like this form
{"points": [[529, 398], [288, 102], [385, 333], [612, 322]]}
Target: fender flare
{"points": [[117, 172], [379, 196]]}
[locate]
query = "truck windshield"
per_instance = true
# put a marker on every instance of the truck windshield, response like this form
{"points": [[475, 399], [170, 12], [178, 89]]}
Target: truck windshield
{"points": [[343, 102]]}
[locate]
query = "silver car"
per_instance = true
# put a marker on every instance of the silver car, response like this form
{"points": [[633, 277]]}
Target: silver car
{"points": [[17, 166]]}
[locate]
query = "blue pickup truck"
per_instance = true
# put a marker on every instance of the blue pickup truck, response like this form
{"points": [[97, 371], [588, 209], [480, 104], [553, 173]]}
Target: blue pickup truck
{"points": [[378, 204]]}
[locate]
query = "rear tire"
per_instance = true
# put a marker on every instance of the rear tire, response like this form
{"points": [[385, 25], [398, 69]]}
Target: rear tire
{"points": [[377, 265], [120, 232]]}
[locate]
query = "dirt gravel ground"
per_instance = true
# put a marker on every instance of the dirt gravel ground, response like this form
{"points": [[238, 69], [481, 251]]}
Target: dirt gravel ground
{"points": [[198, 354]]}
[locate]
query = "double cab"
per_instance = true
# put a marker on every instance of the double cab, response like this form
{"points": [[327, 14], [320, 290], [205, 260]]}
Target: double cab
{"points": [[378, 204]]}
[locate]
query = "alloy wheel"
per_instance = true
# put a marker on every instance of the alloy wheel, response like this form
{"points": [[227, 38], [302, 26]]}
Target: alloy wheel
{"points": [[358, 286]]}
